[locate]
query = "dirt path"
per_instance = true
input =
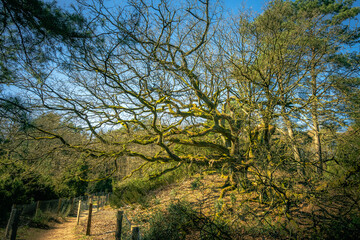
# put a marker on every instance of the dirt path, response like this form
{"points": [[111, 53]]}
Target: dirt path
{"points": [[102, 227], [60, 231]]}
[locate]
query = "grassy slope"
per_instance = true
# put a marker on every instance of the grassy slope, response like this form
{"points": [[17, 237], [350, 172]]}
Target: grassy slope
{"points": [[242, 211]]}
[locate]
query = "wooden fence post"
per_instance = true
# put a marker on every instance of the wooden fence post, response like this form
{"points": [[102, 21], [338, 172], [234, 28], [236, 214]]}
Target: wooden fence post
{"points": [[135, 233], [71, 207], [10, 222], [37, 209], [86, 199], [98, 203], [78, 213], [119, 218], [15, 224], [59, 206], [89, 200], [89, 220]]}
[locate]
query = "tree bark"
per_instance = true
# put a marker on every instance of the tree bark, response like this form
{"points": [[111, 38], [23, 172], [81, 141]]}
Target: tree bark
{"points": [[300, 164], [315, 122]]}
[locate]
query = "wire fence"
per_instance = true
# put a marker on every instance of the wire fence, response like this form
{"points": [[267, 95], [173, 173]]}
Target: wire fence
{"points": [[125, 230], [32, 214], [126, 226]]}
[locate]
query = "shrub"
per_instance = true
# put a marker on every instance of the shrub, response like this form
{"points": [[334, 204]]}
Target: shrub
{"points": [[184, 222], [195, 184], [19, 186]]}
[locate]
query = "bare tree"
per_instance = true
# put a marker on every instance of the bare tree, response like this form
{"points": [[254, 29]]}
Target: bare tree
{"points": [[149, 72], [191, 86]]}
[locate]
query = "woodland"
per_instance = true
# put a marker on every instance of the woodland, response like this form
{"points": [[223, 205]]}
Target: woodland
{"points": [[106, 93]]}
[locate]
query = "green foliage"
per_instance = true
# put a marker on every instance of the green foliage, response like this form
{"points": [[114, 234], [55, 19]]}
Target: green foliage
{"points": [[36, 170], [19, 185], [42, 219], [104, 185], [69, 183], [339, 228], [136, 190], [44, 18], [347, 164], [195, 184], [178, 220], [33, 30], [133, 191], [184, 222]]}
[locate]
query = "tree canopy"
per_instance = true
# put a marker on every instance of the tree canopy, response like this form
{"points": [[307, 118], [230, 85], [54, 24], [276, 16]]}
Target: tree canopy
{"points": [[177, 77], [262, 97]]}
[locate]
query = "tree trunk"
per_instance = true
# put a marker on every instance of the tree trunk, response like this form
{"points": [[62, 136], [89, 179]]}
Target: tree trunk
{"points": [[300, 164], [317, 144], [315, 122]]}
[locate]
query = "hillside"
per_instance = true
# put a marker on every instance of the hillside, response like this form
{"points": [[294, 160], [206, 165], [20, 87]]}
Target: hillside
{"points": [[191, 209]]}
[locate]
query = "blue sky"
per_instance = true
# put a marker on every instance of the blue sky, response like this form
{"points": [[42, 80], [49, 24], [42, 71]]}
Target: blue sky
{"points": [[233, 5], [255, 5]]}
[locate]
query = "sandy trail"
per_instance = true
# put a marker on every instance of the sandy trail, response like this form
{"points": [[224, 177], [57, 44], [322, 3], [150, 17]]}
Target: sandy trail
{"points": [[59, 231], [102, 227]]}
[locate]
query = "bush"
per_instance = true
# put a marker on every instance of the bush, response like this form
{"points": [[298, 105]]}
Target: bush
{"points": [[341, 228], [42, 219], [195, 184], [20, 186], [183, 222], [179, 223]]}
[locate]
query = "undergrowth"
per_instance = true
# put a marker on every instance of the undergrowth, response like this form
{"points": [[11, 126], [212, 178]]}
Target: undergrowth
{"points": [[184, 222], [42, 219], [304, 211], [136, 189]]}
